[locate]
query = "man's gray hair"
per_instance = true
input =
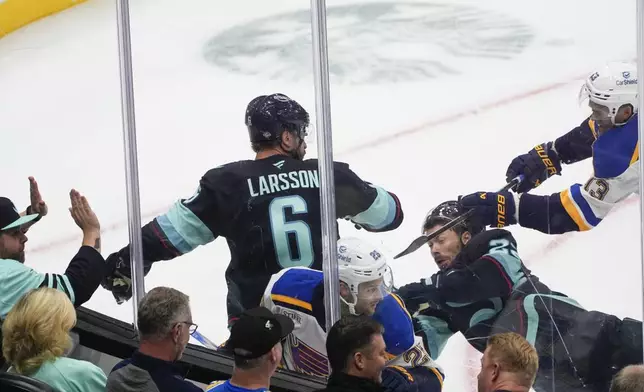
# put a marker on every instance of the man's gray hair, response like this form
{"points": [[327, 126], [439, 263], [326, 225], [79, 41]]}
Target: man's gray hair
{"points": [[629, 379], [159, 310]]}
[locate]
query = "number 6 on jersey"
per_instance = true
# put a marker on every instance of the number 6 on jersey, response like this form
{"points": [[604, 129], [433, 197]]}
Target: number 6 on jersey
{"points": [[281, 230]]}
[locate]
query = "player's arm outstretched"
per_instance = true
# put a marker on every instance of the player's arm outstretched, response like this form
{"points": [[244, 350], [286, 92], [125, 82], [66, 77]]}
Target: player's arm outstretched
{"points": [[369, 206], [579, 207], [545, 159], [188, 224], [612, 96]]}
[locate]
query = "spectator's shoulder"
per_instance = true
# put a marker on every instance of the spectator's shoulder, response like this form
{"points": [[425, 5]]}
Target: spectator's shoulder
{"points": [[80, 375], [79, 366], [121, 364]]}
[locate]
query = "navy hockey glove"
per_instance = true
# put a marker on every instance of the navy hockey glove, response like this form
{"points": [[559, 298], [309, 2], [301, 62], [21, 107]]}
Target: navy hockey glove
{"points": [[539, 164], [416, 294], [494, 209], [398, 379]]}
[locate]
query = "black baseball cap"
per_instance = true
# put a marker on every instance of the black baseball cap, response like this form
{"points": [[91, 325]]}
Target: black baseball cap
{"points": [[256, 332], [10, 217]]}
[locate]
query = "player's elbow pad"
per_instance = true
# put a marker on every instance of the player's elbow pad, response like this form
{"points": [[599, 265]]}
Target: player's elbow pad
{"points": [[388, 214]]}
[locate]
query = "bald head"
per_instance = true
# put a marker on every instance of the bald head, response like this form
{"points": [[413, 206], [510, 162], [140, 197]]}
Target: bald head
{"points": [[629, 379]]}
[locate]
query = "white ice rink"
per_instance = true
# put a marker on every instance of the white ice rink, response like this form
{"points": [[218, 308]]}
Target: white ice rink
{"points": [[430, 99]]}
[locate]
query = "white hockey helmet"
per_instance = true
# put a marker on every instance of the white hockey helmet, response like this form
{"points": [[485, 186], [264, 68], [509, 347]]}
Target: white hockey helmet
{"points": [[612, 86], [360, 262]]}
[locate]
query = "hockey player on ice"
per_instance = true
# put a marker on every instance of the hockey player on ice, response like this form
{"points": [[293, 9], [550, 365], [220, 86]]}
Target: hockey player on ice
{"points": [[483, 288], [364, 281], [609, 136], [267, 209]]}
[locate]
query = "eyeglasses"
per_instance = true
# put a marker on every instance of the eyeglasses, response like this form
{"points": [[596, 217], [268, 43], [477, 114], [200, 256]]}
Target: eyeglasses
{"points": [[192, 327]]}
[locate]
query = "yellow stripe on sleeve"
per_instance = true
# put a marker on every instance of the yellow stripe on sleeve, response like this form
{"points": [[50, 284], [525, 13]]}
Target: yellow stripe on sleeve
{"points": [[571, 208], [292, 301]]}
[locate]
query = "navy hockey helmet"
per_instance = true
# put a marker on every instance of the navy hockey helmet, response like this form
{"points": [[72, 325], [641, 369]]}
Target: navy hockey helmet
{"points": [[267, 116], [447, 211]]}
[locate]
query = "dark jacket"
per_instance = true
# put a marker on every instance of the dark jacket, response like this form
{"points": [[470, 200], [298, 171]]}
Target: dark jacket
{"points": [[143, 373], [341, 382]]}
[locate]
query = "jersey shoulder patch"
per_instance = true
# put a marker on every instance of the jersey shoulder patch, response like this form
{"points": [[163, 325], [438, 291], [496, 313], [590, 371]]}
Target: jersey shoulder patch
{"points": [[616, 150], [296, 287]]}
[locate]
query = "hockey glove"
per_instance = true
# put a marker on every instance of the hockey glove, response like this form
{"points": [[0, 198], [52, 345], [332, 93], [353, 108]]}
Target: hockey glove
{"points": [[539, 164], [397, 379], [414, 295], [496, 209], [118, 279]]}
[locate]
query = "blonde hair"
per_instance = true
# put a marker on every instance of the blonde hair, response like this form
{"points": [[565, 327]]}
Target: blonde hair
{"points": [[514, 354], [37, 328], [629, 379]]}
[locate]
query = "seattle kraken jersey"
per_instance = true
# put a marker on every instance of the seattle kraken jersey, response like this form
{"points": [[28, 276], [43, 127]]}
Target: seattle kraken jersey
{"points": [[472, 292], [580, 207], [298, 293], [269, 212]]}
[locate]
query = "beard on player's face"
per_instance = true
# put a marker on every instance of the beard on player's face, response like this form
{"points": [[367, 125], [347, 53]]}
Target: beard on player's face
{"points": [[446, 246]]}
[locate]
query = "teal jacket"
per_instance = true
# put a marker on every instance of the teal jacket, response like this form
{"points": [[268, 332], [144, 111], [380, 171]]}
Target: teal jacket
{"points": [[72, 375]]}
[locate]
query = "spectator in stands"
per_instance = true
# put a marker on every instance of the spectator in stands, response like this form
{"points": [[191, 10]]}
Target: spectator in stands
{"points": [[629, 379], [35, 337], [509, 364], [165, 325], [256, 344], [357, 355], [85, 271]]}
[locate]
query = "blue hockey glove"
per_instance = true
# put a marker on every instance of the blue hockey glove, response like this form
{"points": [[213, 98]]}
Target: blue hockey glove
{"points": [[537, 165], [494, 209]]}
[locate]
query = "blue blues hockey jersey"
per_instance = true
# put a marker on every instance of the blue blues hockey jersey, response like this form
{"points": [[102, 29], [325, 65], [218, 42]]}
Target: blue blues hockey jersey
{"points": [[581, 207], [299, 294]]}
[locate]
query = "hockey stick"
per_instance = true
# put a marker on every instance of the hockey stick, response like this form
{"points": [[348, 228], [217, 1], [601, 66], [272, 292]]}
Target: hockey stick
{"points": [[422, 240], [204, 340]]}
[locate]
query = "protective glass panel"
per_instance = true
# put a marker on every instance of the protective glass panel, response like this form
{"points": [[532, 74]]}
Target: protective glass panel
{"points": [[430, 101]]}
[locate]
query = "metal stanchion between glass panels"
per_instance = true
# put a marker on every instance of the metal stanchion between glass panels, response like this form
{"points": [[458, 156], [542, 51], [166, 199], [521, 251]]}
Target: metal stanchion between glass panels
{"points": [[131, 160], [325, 162], [640, 93]]}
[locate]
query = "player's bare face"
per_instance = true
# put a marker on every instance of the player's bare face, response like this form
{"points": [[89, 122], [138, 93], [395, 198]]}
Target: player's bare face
{"points": [[369, 295], [445, 247], [12, 244], [601, 116]]}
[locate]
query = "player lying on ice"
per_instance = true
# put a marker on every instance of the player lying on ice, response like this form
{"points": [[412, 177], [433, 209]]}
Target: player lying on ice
{"points": [[364, 277], [483, 288], [267, 209], [609, 136]]}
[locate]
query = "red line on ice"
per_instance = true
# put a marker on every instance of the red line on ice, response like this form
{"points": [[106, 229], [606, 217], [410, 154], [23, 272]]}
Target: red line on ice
{"points": [[423, 127]]}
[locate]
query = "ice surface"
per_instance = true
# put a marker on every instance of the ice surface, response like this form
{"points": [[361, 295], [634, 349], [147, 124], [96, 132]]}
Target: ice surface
{"points": [[426, 138]]}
